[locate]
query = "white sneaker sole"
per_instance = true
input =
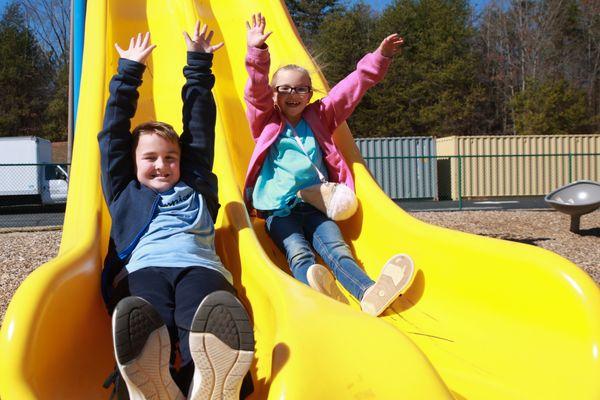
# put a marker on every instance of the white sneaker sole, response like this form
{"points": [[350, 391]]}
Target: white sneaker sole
{"points": [[222, 347], [322, 280], [142, 350], [395, 278]]}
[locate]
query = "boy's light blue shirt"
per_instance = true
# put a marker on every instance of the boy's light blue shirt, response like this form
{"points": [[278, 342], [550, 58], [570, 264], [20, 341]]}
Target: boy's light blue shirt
{"points": [[181, 234], [286, 170]]}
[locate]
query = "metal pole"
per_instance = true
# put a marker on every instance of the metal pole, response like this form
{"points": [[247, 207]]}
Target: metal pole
{"points": [[71, 86], [575, 219]]}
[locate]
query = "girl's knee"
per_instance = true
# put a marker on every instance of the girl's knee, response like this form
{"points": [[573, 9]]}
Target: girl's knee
{"points": [[339, 248], [299, 254]]}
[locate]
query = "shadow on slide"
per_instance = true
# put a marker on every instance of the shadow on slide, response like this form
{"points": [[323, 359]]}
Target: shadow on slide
{"points": [[485, 318]]}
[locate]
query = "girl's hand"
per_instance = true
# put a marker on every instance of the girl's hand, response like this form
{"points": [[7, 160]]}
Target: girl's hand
{"points": [[200, 41], [139, 48], [256, 32], [390, 46]]}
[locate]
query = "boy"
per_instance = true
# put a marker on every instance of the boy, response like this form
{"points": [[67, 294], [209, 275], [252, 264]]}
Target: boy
{"points": [[163, 281]]}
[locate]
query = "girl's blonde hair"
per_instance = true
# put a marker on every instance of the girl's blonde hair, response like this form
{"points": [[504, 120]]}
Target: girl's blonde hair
{"points": [[290, 67]]}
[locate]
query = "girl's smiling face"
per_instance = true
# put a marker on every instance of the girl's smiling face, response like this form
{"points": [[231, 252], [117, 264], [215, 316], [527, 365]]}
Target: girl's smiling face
{"points": [[291, 104]]}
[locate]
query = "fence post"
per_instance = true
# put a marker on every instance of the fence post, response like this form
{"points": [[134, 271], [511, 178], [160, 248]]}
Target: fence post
{"points": [[570, 167], [459, 182]]}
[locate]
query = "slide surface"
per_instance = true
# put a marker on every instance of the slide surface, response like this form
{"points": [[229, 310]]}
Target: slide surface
{"points": [[485, 319]]}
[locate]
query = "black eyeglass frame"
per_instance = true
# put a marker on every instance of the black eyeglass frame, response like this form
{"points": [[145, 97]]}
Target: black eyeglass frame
{"points": [[292, 89]]}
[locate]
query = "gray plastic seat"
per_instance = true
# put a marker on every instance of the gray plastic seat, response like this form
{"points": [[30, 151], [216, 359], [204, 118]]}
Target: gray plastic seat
{"points": [[576, 199]]}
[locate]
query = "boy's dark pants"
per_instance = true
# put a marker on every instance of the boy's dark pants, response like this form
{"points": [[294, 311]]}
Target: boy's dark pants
{"points": [[175, 293]]}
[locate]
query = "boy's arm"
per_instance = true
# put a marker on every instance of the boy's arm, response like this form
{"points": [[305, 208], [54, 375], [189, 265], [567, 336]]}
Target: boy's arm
{"points": [[199, 117], [343, 98], [115, 139], [258, 93], [199, 112]]}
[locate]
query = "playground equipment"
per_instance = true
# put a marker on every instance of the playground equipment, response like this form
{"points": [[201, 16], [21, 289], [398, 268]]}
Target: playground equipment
{"points": [[575, 199], [484, 319]]}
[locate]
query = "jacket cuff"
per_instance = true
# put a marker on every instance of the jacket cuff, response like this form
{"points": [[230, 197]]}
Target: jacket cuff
{"points": [[195, 58], [131, 67], [381, 59], [260, 54]]}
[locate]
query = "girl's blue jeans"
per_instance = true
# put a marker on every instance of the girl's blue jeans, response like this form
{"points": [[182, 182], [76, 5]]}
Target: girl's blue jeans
{"points": [[306, 225]]}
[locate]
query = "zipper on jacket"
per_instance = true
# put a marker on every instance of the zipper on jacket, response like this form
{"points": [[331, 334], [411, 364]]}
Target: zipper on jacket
{"points": [[122, 255]]}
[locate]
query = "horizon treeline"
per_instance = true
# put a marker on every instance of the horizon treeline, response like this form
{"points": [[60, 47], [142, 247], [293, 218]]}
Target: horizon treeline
{"points": [[509, 68]]}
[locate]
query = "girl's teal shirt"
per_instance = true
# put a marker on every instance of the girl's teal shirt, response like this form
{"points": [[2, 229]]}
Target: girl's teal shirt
{"points": [[287, 169]]}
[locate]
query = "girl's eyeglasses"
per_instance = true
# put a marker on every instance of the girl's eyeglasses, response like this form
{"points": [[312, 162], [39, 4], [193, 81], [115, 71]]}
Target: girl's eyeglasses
{"points": [[289, 89]]}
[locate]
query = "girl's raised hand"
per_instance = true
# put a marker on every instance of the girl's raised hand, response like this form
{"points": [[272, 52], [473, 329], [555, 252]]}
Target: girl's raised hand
{"points": [[390, 46], [139, 48], [256, 31], [200, 41]]}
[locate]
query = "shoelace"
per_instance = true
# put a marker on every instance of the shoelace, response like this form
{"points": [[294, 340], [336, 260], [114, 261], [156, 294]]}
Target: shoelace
{"points": [[115, 380]]}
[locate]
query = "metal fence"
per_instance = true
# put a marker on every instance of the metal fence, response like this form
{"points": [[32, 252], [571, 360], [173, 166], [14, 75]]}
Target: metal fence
{"points": [[497, 175], [33, 194], [402, 178]]}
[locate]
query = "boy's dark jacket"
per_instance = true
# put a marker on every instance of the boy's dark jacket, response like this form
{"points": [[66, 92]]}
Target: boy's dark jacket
{"points": [[131, 204]]}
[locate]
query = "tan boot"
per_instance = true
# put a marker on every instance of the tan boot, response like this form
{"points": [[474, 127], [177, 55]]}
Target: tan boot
{"points": [[395, 278], [322, 280]]}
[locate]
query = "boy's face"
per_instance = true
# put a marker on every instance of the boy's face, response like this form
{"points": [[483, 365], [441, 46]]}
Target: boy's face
{"points": [[293, 104], [157, 162]]}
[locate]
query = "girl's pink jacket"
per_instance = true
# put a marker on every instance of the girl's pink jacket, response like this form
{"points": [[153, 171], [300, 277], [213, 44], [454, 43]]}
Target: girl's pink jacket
{"points": [[323, 116]]}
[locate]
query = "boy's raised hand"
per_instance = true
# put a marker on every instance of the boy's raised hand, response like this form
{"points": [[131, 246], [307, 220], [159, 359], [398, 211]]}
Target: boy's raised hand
{"points": [[200, 41], [390, 46], [256, 31], [139, 48]]}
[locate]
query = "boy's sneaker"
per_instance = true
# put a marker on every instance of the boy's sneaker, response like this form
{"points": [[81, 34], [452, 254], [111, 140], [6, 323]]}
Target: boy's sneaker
{"points": [[222, 347], [142, 349], [322, 280], [395, 278]]}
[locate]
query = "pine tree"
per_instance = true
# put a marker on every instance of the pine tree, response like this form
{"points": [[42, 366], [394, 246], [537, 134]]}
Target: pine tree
{"points": [[342, 39], [57, 111], [309, 14], [553, 107], [24, 76], [431, 89]]}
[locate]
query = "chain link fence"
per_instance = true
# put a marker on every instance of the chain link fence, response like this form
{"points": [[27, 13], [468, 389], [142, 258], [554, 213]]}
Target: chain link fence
{"points": [[33, 194], [36, 194]]}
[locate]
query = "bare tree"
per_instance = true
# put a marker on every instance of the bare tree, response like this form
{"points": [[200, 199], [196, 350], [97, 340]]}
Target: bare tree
{"points": [[527, 41], [49, 19], [591, 29]]}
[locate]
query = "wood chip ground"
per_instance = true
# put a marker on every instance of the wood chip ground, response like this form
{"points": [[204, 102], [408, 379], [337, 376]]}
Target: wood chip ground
{"points": [[23, 252]]}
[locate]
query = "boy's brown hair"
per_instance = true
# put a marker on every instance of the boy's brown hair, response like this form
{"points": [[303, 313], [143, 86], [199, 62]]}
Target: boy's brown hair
{"points": [[161, 129]]}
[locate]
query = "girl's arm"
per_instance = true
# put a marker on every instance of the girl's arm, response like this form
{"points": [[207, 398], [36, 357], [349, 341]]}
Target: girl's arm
{"points": [[258, 94], [343, 98]]}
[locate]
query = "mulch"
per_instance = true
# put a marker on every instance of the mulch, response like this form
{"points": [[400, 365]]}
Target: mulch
{"points": [[23, 251]]}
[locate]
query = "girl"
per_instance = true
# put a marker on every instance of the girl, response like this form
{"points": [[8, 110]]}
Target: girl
{"points": [[293, 141]]}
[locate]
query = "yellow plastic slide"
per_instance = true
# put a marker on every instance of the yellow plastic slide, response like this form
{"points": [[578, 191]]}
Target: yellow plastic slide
{"points": [[485, 319]]}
